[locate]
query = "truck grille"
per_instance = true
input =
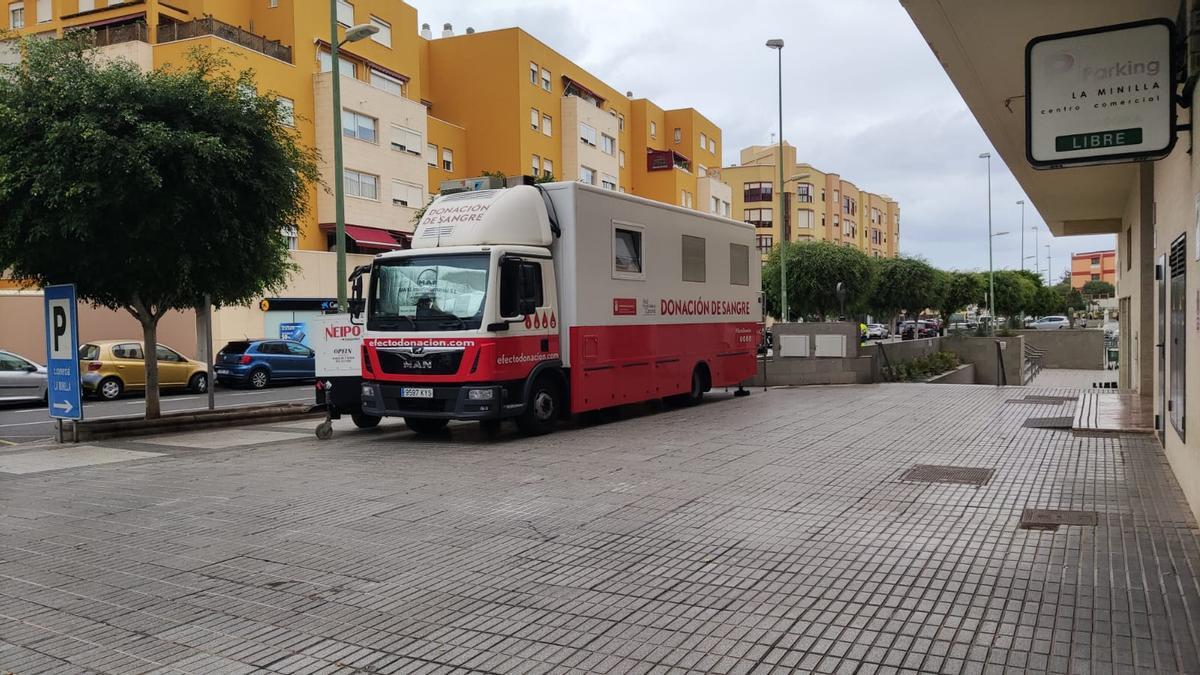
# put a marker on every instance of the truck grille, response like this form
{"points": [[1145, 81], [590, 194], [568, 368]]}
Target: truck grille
{"points": [[433, 363]]}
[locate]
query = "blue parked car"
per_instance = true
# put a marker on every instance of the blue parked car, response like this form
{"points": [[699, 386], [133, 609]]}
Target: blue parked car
{"points": [[257, 363]]}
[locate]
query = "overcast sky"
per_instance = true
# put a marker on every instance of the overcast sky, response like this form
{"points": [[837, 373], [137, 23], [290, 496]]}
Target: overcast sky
{"points": [[863, 97]]}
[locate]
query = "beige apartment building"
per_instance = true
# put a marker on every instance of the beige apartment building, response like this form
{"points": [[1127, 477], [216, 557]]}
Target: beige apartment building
{"points": [[819, 206]]}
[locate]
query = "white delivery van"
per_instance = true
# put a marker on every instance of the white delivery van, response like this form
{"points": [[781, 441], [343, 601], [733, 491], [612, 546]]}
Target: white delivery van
{"points": [[534, 302]]}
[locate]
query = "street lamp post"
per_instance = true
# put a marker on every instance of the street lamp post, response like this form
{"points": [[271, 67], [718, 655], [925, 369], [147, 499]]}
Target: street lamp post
{"points": [[1036, 266], [354, 34], [777, 44], [991, 269], [1021, 203], [1049, 272]]}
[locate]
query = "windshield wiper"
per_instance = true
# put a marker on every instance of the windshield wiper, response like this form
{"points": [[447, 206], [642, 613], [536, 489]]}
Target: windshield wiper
{"points": [[451, 320]]}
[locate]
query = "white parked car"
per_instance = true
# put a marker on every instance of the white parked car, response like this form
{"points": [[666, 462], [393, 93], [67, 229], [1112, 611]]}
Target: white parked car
{"points": [[877, 331], [1051, 323]]}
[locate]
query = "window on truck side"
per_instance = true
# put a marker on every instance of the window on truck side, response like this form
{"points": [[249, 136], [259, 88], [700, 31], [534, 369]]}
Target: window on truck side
{"points": [[627, 251], [693, 258], [739, 264]]}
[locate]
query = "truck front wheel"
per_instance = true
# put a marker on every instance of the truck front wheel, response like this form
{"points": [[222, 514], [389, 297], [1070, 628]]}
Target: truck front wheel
{"points": [[542, 408], [425, 425]]}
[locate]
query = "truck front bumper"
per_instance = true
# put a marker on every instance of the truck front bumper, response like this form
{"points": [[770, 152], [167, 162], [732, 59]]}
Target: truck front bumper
{"points": [[454, 402]]}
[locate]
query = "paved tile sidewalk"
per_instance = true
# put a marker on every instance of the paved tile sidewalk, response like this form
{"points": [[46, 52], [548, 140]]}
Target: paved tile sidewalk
{"points": [[766, 534]]}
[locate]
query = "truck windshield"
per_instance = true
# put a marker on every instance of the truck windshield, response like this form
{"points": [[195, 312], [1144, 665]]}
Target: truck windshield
{"points": [[429, 293]]}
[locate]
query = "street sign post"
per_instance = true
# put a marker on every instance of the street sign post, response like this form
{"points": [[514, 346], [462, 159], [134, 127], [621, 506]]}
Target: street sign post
{"points": [[62, 353]]}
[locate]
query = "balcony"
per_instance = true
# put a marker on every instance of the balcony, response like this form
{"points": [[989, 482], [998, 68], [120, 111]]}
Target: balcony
{"points": [[665, 160], [174, 31], [106, 36]]}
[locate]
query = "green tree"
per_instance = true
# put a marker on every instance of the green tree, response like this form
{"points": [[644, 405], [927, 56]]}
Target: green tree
{"points": [[1098, 289], [1014, 292], [1046, 301], [1070, 299], [814, 270], [903, 284], [146, 190], [960, 290]]}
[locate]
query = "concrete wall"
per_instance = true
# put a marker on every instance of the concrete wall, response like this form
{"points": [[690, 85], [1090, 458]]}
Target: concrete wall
{"points": [[982, 352], [850, 330], [802, 371], [1079, 349], [891, 353], [964, 374]]}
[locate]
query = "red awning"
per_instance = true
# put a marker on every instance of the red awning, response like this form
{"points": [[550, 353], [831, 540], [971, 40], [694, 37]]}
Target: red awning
{"points": [[371, 237]]}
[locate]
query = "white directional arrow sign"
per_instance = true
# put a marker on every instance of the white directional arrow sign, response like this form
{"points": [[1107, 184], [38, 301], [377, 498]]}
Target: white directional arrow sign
{"points": [[64, 406]]}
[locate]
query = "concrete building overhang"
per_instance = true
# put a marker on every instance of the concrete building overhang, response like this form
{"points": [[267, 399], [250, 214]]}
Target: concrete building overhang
{"points": [[981, 45]]}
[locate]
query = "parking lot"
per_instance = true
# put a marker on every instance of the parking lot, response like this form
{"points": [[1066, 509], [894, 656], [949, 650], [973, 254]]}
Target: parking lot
{"points": [[781, 532]]}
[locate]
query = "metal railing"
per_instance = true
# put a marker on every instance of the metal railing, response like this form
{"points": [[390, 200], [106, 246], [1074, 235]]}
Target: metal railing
{"points": [[171, 32], [112, 35], [1033, 362]]}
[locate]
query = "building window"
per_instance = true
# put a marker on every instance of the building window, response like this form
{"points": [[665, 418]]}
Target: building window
{"points": [[804, 192], [764, 242], [16, 16], [384, 36], [385, 82], [547, 168], [703, 141], [44, 11], [608, 182], [804, 219], [685, 199], [587, 175], [407, 194], [715, 206], [346, 67], [1177, 404], [693, 259], [678, 135], [287, 111], [345, 13], [837, 196], [547, 125], [431, 154], [357, 125], [292, 236], [533, 73], [1095, 277], [271, 4], [759, 217], [361, 185], [620, 122], [89, 5], [536, 164], [1095, 261], [447, 159], [587, 134], [712, 145], [534, 118], [406, 140], [545, 79], [724, 208], [739, 265], [627, 251], [757, 192], [608, 144], [653, 130], [621, 158]]}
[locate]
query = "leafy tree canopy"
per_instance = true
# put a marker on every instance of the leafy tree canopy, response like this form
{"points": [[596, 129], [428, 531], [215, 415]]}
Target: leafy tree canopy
{"points": [[146, 190], [961, 289], [906, 284], [814, 270], [1098, 289]]}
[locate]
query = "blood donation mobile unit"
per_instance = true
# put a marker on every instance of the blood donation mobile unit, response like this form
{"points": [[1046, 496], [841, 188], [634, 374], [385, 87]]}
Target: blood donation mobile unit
{"points": [[534, 302]]}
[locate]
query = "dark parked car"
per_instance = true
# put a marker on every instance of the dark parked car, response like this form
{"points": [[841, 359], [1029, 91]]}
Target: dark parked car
{"points": [[910, 330], [257, 363]]}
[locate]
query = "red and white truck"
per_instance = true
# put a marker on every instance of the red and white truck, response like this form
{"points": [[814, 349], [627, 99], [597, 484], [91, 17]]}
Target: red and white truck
{"points": [[534, 302]]}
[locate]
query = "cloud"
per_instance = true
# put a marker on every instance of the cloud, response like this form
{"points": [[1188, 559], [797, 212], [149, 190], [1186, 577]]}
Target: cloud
{"points": [[863, 96]]}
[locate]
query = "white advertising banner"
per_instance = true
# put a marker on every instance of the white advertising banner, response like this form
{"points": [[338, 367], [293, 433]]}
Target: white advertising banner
{"points": [[1099, 96], [338, 344]]}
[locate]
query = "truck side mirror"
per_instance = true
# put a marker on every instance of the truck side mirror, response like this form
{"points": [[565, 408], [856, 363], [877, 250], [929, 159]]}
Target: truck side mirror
{"points": [[357, 303]]}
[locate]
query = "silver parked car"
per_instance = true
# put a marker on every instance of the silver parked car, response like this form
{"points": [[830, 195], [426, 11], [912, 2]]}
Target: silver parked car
{"points": [[21, 379], [1051, 323]]}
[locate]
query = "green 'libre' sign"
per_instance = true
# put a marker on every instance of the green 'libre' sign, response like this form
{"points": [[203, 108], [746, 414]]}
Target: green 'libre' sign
{"points": [[1098, 139]]}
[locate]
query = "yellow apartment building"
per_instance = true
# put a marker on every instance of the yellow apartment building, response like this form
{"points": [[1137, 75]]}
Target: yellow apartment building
{"points": [[820, 206], [417, 109]]}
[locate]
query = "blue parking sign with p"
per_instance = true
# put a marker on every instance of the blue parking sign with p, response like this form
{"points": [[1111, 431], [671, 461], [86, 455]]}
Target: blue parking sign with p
{"points": [[62, 352]]}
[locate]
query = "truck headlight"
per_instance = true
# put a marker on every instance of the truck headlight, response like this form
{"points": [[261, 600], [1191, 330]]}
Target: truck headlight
{"points": [[368, 391], [480, 394]]}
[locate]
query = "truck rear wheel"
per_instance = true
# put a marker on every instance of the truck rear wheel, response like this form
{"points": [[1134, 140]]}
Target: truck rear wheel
{"points": [[425, 425], [542, 408]]}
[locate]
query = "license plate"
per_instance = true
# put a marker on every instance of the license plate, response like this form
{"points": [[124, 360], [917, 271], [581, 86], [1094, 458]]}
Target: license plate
{"points": [[222, 371], [416, 392]]}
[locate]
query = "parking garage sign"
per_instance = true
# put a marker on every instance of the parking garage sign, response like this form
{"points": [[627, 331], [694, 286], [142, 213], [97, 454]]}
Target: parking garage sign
{"points": [[1101, 95], [62, 352]]}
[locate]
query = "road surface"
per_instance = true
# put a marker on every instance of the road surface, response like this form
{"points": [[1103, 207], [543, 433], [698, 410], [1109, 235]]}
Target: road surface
{"points": [[24, 423]]}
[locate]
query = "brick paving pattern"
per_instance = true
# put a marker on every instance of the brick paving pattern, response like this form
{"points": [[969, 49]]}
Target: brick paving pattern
{"points": [[765, 534]]}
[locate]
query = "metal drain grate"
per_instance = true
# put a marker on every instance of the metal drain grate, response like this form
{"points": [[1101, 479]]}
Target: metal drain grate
{"points": [[1050, 519], [1037, 398], [1049, 422], [940, 473]]}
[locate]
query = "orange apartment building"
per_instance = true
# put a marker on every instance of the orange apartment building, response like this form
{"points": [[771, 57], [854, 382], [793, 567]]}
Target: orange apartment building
{"points": [[1093, 266], [820, 206]]}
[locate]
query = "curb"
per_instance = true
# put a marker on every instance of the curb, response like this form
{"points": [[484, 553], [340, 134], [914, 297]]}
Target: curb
{"points": [[170, 422]]}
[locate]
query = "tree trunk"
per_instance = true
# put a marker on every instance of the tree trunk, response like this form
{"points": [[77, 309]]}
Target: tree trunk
{"points": [[150, 349]]}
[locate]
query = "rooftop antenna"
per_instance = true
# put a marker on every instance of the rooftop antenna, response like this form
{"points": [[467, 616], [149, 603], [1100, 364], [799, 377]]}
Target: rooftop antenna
{"points": [[772, 138]]}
